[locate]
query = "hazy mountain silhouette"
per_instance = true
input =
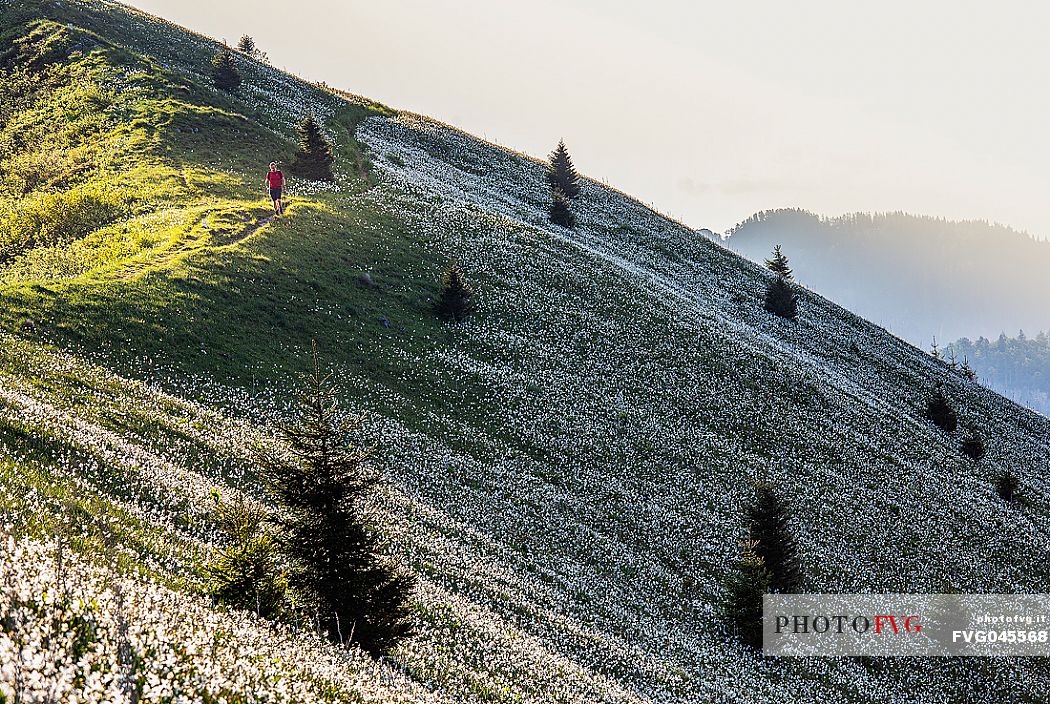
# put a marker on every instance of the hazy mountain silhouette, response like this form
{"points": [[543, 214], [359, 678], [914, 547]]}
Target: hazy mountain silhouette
{"points": [[919, 277]]}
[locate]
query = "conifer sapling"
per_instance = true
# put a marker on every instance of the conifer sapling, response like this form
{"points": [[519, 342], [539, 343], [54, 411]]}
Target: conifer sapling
{"points": [[935, 351], [940, 412], [973, 446], [768, 518], [455, 302], [245, 573], [561, 210], [322, 484], [780, 299], [224, 71], [749, 584], [778, 264], [314, 157], [561, 174], [1006, 485]]}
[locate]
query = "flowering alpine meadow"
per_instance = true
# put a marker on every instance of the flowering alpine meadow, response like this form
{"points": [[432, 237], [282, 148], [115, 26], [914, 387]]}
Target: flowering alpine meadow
{"points": [[568, 468], [79, 632], [639, 389]]}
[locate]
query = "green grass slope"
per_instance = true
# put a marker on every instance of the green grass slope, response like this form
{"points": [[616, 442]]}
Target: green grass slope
{"points": [[568, 468]]}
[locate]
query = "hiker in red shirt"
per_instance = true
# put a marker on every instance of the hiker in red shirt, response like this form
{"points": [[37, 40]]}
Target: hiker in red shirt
{"points": [[275, 182]]}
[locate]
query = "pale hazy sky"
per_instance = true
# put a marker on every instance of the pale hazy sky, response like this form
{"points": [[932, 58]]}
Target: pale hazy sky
{"points": [[708, 110]]}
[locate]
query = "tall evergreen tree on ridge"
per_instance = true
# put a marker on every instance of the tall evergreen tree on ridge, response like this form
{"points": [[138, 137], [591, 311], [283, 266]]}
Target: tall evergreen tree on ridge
{"points": [[561, 174], [322, 484], [224, 70], [314, 158], [778, 264], [775, 544]]}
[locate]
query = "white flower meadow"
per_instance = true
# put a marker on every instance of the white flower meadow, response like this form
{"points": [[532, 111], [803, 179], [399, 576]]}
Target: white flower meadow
{"points": [[573, 520], [72, 632], [638, 389]]}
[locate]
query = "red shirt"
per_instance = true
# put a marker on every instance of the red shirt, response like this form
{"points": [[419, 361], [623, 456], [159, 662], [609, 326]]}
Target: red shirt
{"points": [[275, 179]]}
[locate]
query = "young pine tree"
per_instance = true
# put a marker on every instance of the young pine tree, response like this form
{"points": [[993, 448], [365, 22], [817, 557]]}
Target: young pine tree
{"points": [[780, 299], [561, 174], [1006, 486], [778, 264], [775, 544], [224, 71], [973, 446], [940, 412], [333, 556], [967, 371], [935, 351], [245, 573], [455, 301], [248, 47], [314, 158], [749, 584], [561, 210], [953, 362]]}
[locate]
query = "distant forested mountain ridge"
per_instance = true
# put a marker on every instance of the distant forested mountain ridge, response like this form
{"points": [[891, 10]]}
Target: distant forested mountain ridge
{"points": [[1018, 367], [920, 277]]}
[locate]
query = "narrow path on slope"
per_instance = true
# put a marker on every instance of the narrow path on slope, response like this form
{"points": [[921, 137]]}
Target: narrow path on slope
{"points": [[260, 224]]}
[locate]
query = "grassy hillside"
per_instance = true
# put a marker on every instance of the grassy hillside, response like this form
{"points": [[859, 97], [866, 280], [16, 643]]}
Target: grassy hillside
{"points": [[568, 468]]}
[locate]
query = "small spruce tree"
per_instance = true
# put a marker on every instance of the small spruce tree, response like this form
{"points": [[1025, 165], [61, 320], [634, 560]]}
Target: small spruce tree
{"points": [[780, 299], [778, 264], [940, 412], [224, 71], [245, 573], [455, 302], [561, 174], [561, 210], [935, 351], [967, 371], [749, 584], [1006, 486], [248, 47], [973, 446], [314, 158], [768, 518], [322, 484], [953, 363]]}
